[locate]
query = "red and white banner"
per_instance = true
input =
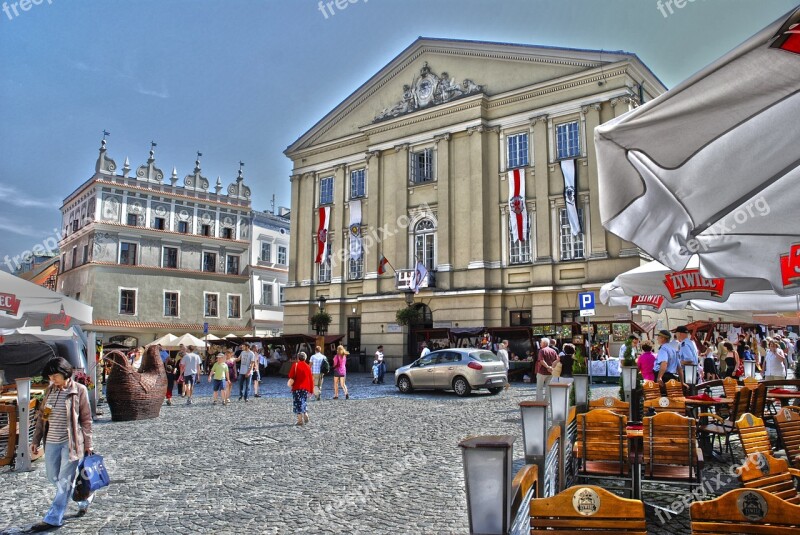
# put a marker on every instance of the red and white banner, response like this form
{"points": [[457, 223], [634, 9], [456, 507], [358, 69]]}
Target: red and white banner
{"points": [[690, 281], [517, 209], [322, 234], [651, 302]]}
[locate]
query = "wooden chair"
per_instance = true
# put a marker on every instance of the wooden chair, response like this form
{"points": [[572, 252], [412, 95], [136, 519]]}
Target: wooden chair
{"points": [[665, 404], [8, 433], [753, 435], [674, 388], [750, 382], [525, 480], [765, 472], [651, 390], [671, 453], [788, 423], [612, 404], [590, 510], [602, 448], [746, 511], [758, 400], [729, 385], [725, 427]]}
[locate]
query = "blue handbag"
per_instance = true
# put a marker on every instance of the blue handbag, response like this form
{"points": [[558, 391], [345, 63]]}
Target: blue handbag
{"points": [[92, 476]]}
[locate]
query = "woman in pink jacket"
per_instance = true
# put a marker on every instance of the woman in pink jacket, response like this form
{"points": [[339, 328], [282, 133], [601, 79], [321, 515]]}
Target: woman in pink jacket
{"points": [[340, 372], [65, 426]]}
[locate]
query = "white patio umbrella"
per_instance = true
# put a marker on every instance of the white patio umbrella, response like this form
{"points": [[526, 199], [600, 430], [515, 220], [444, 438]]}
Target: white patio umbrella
{"points": [[167, 340], [212, 338], [711, 167], [189, 340], [23, 303], [655, 286]]}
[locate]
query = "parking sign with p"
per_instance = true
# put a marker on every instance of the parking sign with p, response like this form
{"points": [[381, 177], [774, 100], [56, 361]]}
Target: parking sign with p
{"points": [[586, 303]]}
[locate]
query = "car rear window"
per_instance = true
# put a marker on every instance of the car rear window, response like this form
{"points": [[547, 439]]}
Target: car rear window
{"points": [[485, 356]]}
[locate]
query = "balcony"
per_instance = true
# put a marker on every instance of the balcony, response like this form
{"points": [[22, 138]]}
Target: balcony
{"points": [[404, 278]]}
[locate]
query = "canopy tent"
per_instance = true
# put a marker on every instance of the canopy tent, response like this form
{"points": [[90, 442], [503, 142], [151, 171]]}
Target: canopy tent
{"points": [[23, 303], [710, 168], [655, 286], [167, 340], [187, 340], [212, 338]]}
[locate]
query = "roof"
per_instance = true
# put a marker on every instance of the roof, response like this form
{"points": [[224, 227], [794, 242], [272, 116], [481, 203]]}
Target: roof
{"points": [[161, 326]]}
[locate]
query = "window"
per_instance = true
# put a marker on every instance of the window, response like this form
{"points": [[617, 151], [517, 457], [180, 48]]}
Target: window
{"points": [[517, 151], [357, 184], [571, 246], [210, 310], [171, 304], [133, 220], [63, 266], [75, 225], [355, 269], [325, 271], [571, 316], [127, 253], [422, 166], [424, 243], [326, 190], [232, 267], [85, 253], [210, 262], [567, 140], [227, 233], [266, 293], [266, 252], [160, 223], [77, 296], [205, 230], [127, 302], [169, 257], [282, 255], [521, 318], [234, 306], [183, 227], [519, 252], [280, 293], [74, 256]]}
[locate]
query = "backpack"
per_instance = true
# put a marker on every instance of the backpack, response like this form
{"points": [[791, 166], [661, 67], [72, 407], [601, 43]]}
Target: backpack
{"points": [[325, 367]]}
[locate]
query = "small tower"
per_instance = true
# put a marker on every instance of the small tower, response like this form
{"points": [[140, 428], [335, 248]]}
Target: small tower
{"points": [[218, 185], [104, 164], [174, 178], [238, 190], [149, 172], [126, 169], [196, 181]]}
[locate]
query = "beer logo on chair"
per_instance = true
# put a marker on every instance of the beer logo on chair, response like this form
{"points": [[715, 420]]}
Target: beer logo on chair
{"points": [[586, 501], [790, 267], [689, 281], [787, 414], [608, 402], [752, 505], [663, 402]]}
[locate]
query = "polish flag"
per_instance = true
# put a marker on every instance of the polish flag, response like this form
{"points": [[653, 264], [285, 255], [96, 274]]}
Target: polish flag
{"points": [[322, 234], [517, 209]]}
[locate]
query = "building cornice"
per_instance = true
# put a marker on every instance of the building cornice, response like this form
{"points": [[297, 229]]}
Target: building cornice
{"points": [[196, 273]]}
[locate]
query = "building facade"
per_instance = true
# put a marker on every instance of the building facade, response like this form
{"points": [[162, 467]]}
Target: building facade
{"points": [[456, 156], [269, 270], [154, 257]]}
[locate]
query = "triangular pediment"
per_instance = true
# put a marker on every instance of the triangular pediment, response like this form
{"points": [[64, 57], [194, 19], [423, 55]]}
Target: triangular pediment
{"points": [[435, 72]]}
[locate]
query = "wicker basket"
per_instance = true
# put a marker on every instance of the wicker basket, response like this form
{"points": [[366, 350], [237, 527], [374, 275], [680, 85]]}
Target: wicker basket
{"points": [[133, 395]]}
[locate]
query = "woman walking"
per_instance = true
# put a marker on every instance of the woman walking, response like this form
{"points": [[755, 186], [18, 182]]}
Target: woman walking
{"points": [[340, 372], [230, 360], [301, 383], [170, 367], [731, 360], [774, 362], [65, 427]]}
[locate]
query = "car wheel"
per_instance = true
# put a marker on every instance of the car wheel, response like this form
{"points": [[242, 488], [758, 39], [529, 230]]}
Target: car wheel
{"points": [[495, 391], [404, 384], [461, 386]]}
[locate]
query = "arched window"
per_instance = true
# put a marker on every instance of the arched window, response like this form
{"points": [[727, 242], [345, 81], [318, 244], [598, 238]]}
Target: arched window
{"points": [[425, 243]]}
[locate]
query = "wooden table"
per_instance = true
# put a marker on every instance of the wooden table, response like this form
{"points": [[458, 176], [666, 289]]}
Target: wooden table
{"points": [[784, 397], [635, 439], [705, 444]]}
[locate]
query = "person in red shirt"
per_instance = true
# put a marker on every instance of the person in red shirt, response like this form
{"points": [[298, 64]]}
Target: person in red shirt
{"points": [[545, 361], [301, 382]]}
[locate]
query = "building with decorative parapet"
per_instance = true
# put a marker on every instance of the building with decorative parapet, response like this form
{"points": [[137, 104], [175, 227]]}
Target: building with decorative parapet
{"points": [[269, 270], [154, 257], [476, 160]]}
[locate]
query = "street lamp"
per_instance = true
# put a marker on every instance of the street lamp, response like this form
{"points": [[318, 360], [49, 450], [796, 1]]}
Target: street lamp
{"points": [[409, 297], [321, 303], [690, 374], [749, 368], [321, 327]]}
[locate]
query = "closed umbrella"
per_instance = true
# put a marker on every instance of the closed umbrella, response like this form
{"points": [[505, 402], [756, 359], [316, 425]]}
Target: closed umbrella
{"points": [[711, 167]]}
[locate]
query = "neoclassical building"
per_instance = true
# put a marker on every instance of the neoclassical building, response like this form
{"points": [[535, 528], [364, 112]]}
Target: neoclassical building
{"points": [[153, 256], [474, 159]]}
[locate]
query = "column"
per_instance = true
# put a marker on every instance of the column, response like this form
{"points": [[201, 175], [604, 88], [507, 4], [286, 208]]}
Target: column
{"points": [[597, 235], [295, 253], [371, 220], [539, 188], [340, 224], [475, 187], [444, 236]]}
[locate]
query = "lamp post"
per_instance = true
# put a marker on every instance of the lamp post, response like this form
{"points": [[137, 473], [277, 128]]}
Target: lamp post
{"points": [[23, 462], [321, 328], [488, 475], [629, 380], [690, 375], [749, 368]]}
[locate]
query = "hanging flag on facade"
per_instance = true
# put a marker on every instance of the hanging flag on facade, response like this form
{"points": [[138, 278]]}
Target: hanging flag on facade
{"points": [[322, 234], [382, 263], [419, 275], [568, 170], [517, 209], [355, 229]]}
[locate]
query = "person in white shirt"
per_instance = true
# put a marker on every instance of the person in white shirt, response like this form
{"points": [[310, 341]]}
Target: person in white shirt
{"points": [[190, 368], [634, 339], [775, 362], [503, 354], [261, 362], [381, 364], [318, 364], [247, 362], [425, 350]]}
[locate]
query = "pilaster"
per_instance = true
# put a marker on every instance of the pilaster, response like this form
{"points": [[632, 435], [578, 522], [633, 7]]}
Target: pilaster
{"points": [[597, 237], [542, 126]]}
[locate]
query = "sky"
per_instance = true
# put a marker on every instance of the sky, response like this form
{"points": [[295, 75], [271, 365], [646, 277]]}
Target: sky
{"points": [[243, 79]]}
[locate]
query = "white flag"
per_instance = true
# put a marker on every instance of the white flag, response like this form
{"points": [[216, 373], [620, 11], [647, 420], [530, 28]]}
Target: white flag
{"points": [[568, 170], [419, 275], [355, 229], [517, 209]]}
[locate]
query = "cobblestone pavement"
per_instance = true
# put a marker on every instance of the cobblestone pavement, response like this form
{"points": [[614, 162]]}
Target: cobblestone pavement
{"points": [[378, 463]]}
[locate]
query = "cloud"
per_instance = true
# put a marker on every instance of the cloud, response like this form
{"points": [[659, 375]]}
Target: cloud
{"points": [[81, 66], [152, 92], [13, 226], [9, 194]]}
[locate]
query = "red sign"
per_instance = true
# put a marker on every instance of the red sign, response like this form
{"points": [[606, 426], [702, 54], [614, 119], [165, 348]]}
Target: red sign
{"points": [[9, 303], [690, 281], [654, 302], [790, 267]]}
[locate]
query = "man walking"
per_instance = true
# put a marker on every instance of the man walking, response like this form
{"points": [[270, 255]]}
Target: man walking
{"points": [[503, 354], [667, 362], [381, 364], [190, 367], [425, 349], [319, 367], [545, 361], [247, 361], [687, 352]]}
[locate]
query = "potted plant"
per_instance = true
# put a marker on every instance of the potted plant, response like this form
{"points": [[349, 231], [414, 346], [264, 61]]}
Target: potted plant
{"points": [[407, 315], [320, 321]]}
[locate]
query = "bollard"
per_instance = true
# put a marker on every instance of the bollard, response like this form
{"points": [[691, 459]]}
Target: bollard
{"points": [[534, 436], [23, 461], [581, 383], [559, 399], [488, 476], [629, 374]]}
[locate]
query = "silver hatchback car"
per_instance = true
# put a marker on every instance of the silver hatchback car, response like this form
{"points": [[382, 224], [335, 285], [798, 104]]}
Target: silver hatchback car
{"points": [[462, 370]]}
